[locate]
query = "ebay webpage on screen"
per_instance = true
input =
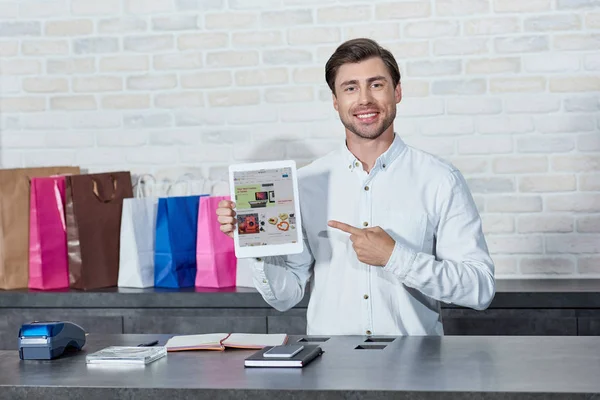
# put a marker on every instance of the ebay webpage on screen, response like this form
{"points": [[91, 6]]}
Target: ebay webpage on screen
{"points": [[265, 207]]}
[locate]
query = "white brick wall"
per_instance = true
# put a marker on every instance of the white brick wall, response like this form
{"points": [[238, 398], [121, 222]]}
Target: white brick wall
{"points": [[508, 90]]}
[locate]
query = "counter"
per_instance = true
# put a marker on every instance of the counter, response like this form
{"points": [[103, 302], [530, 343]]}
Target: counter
{"points": [[459, 367]]}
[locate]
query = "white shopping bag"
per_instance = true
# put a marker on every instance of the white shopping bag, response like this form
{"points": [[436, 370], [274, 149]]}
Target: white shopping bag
{"points": [[138, 225], [220, 188], [189, 185], [186, 182], [147, 185]]}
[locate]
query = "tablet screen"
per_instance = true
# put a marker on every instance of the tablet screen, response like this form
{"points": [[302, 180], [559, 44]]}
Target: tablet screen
{"points": [[265, 207]]}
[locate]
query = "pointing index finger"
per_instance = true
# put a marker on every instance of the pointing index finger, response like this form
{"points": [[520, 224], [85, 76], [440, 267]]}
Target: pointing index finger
{"points": [[344, 227]]}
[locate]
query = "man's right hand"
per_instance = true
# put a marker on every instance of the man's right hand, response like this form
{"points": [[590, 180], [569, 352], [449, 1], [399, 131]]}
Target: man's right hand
{"points": [[226, 217]]}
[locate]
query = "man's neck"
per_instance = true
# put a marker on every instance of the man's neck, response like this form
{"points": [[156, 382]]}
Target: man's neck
{"points": [[367, 151]]}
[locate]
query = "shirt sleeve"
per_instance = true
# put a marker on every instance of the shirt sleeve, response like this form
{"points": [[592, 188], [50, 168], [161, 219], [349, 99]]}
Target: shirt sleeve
{"points": [[281, 280], [462, 271]]}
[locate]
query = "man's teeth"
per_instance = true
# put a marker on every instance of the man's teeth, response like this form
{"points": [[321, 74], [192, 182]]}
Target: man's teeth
{"points": [[363, 116]]}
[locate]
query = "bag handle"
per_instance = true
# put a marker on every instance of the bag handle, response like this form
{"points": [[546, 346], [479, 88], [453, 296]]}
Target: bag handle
{"points": [[181, 179], [221, 179], [211, 186], [59, 204], [113, 195], [138, 185], [208, 185]]}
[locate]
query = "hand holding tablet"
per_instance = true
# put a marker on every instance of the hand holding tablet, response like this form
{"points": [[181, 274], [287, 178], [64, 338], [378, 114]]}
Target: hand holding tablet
{"points": [[264, 216]]}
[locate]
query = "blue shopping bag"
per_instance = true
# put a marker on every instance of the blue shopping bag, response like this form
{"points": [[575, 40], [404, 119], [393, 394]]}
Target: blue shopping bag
{"points": [[175, 243]]}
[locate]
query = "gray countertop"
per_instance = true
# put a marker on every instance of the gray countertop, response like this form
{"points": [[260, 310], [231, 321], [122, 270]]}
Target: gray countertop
{"points": [[452, 367], [538, 293]]}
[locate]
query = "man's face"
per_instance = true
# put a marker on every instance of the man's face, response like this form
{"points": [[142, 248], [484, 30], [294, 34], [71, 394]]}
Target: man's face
{"points": [[365, 97]]}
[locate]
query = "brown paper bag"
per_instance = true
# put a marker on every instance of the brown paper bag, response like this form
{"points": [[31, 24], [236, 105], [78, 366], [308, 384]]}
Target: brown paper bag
{"points": [[93, 212], [14, 222]]}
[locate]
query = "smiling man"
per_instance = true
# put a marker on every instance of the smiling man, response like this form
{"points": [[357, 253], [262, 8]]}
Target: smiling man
{"points": [[390, 231]]}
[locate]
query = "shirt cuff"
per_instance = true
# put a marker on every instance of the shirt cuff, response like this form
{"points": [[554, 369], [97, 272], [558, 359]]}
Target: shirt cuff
{"points": [[260, 278], [400, 261]]}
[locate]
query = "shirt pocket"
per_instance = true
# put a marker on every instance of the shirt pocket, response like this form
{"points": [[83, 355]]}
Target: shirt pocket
{"points": [[408, 229]]}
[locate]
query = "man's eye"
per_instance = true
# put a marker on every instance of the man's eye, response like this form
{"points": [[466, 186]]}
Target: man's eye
{"points": [[377, 85], [350, 89]]}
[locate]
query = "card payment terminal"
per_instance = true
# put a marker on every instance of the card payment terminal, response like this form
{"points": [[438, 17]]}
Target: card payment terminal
{"points": [[46, 340]]}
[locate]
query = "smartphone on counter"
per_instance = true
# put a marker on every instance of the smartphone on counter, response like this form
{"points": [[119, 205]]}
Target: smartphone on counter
{"points": [[285, 351]]}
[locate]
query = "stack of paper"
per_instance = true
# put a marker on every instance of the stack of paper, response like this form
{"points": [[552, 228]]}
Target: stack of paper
{"points": [[126, 355]]}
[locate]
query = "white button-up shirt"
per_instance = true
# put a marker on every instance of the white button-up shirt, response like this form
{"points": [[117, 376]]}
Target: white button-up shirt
{"points": [[440, 254]]}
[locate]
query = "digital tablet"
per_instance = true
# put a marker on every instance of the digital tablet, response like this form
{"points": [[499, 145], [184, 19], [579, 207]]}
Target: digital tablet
{"points": [[267, 209]]}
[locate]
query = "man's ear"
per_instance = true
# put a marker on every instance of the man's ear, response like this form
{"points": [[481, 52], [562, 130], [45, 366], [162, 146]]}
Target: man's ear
{"points": [[335, 102], [398, 93]]}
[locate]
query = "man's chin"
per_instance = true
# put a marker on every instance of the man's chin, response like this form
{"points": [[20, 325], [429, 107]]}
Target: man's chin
{"points": [[367, 134]]}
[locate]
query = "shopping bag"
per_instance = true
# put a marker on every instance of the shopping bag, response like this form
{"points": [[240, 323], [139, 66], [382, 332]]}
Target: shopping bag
{"points": [[147, 185], [189, 185], [215, 254], [138, 225], [48, 265], [175, 243], [14, 222], [93, 213]]}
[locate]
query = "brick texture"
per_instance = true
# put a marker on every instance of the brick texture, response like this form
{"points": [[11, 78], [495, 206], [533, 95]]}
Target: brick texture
{"points": [[506, 90]]}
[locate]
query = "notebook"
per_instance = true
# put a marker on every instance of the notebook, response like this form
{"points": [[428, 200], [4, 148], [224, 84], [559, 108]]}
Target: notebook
{"points": [[309, 353], [219, 341]]}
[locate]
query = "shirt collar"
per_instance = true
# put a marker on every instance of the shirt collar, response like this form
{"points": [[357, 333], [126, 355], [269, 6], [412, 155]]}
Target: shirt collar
{"points": [[384, 160]]}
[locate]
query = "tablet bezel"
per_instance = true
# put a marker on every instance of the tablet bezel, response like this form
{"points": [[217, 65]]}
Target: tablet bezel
{"points": [[273, 249]]}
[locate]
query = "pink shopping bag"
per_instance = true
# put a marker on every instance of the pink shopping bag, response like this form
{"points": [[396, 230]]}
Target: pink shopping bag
{"points": [[48, 265], [215, 254]]}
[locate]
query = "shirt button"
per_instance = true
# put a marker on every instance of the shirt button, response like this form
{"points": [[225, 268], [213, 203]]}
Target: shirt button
{"points": [[366, 296], [365, 223], [259, 259], [368, 332], [383, 165], [356, 164], [264, 281], [366, 188], [350, 166]]}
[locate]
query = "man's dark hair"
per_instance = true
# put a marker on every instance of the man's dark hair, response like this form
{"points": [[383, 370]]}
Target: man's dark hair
{"points": [[357, 50]]}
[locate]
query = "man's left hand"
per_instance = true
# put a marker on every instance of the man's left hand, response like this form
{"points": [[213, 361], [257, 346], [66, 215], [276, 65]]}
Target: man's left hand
{"points": [[373, 246]]}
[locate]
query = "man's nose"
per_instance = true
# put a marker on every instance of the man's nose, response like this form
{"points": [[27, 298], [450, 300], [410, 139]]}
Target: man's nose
{"points": [[364, 96]]}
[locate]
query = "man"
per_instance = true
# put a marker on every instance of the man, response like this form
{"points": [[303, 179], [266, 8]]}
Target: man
{"points": [[389, 231]]}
